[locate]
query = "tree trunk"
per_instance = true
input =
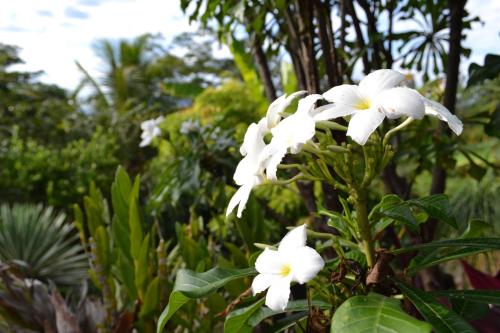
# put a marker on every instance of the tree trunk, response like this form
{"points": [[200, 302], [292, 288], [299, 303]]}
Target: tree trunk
{"points": [[359, 36], [457, 9], [326, 41], [306, 36], [263, 68]]}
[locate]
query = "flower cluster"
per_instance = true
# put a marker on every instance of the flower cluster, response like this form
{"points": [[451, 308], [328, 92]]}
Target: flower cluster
{"points": [[150, 130], [379, 95]]}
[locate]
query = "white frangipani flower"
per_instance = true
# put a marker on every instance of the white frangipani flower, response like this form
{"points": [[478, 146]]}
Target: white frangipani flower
{"points": [[249, 172], [292, 262], [291, 133], [150, 130], [277, 107], [378, 96]]}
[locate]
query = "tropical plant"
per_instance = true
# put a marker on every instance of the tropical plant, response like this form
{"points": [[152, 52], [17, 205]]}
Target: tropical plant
{"points": [[355, 276], [126, 257], [41, 245]]}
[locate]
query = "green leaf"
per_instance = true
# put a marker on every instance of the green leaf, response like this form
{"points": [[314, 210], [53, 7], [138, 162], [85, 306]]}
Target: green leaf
{"points": [[245, 64], [441, 319], [126, 274], [374, 313], [135, 225], [469, 310], [392, 207], [236, 321], [103, 248], [120, 232], [437, 206], [288, 78], [189, 285], [440, 251], [476, 228], [480, 296], [486, 244], [151, 299], [142, 267], [120, 194], [292, 306]]}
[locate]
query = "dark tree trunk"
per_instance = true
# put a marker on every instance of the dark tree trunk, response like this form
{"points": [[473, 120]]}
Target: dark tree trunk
{"points": [[359, 36], [294, 48], [326, 41], [433, 278], [457, 10], [373, 36], [306, 37], [263, 68]]}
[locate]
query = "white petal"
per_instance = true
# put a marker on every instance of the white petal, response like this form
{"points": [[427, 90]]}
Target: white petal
{"points": [[306, 104], [278, 106], [262, 281], [273, 112], [401, 101], [253, 139], [295, 238], [332, 111], [363, 124], [269, 262], [278, 294], [246, 170], [239, 198], [297, 128], [156, 132], [278, 152], [145, 141], [306, 264], [377, 81], [442, 113], [345, 94]]}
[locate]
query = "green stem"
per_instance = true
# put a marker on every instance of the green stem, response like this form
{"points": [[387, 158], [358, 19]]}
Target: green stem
{"points": [[330, 125], [390, 133], [364, 227]]}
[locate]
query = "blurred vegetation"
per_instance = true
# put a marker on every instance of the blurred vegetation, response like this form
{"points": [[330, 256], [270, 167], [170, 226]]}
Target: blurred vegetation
{"points": [[163, 209]]}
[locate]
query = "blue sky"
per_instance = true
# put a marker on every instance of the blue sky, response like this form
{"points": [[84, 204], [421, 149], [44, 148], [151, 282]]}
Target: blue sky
{"points": [[53, 34]]}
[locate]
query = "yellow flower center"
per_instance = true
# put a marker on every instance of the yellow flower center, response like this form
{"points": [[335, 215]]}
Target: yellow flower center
{"points": [[285, 270], [363, 105]]}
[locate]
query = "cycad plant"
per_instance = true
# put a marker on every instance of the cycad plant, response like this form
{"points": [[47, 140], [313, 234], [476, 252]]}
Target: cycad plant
{"points": [[39, 244]]}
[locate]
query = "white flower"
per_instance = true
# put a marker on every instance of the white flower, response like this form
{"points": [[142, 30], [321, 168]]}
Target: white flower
{"points": [[377, 97], [189, 125], [292, 262], [150, 130], [249, 172], [277, 107], [291, 133]]}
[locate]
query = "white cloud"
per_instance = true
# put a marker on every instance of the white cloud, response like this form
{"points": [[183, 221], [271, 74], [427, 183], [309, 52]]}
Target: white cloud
{"points": [[53, 34]]}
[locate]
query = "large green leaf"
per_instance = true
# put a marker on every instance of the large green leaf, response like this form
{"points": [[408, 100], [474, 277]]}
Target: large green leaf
{"points": [[391, 206], [190, 285], [440, 251], [236, 321], [479, 296], [441, 319], [374, 313], [437, 206], [486, 244]]}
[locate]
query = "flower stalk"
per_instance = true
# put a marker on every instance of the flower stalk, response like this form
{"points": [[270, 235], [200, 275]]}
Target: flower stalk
{"points": [[364, 227]]}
